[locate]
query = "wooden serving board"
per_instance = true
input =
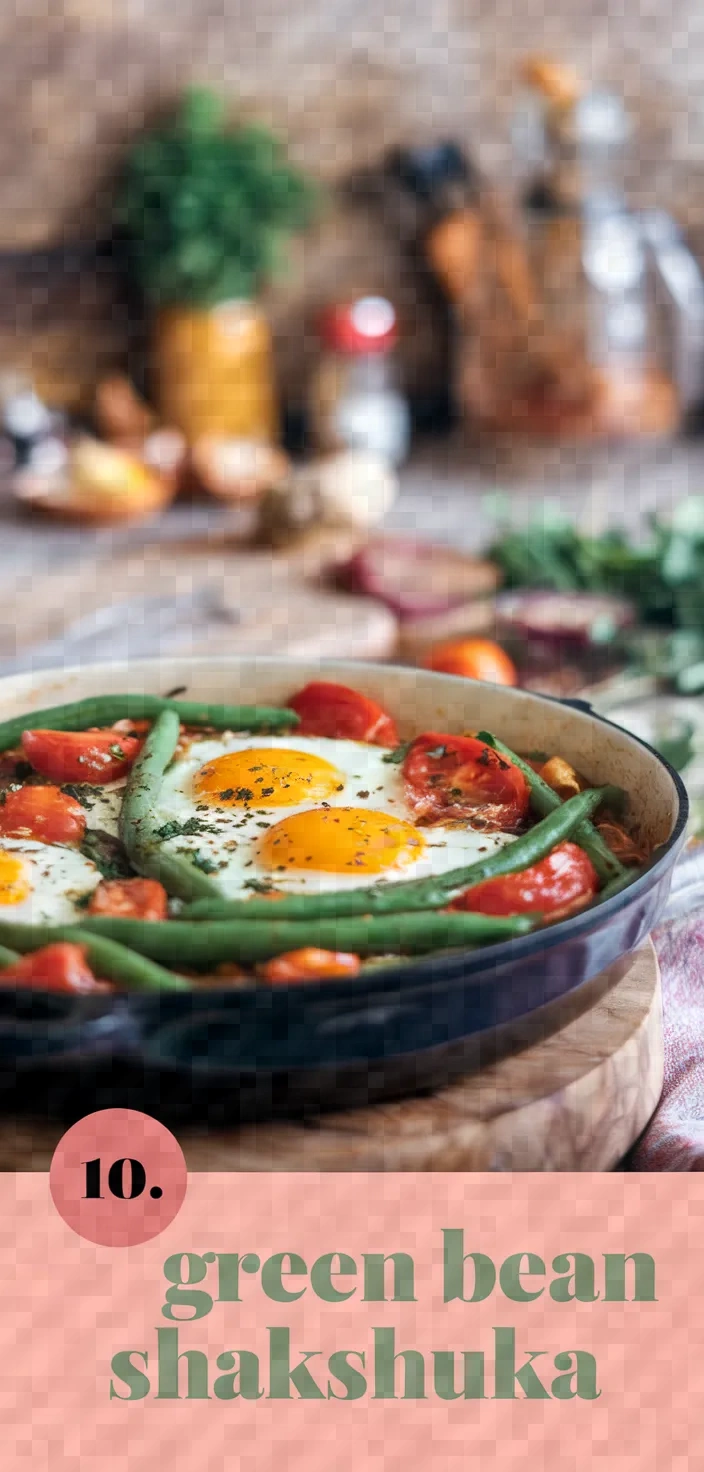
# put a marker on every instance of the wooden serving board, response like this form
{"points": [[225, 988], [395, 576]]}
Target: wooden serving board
{"points": [[575, 1100], [281, 604]]}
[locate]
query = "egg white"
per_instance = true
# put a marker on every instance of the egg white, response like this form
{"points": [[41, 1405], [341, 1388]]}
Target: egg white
{"points": [[230, 837], [102, 805], [59, 878]]}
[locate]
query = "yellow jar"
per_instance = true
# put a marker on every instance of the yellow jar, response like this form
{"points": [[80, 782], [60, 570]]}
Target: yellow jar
{"points": [[213, 371]]}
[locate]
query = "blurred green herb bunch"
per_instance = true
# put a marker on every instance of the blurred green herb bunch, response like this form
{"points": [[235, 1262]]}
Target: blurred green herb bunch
{"points": [[207, 207], [663, 576]]}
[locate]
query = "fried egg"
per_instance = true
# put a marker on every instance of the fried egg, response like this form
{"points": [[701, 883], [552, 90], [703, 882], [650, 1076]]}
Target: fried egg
{"points": [[42, 883], [302, 814]]}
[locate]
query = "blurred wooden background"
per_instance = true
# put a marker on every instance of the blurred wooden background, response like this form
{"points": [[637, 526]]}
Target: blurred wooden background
{"points": [[80, 77]]}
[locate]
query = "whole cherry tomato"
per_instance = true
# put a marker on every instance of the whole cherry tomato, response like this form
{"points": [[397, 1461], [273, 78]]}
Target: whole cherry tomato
{"points": [[476, 659]]}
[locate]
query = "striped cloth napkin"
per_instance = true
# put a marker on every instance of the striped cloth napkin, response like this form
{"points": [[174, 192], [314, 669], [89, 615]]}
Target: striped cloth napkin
{"points": [[674, 1139]]}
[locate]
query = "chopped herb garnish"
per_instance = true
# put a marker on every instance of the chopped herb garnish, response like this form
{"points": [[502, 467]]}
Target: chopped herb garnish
{"points": [[399, 753], [206, 865], [80, 792], [491, 758], [190, 829], [117, 752]]}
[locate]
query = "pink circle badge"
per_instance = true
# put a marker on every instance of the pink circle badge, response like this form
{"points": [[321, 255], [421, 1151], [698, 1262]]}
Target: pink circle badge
{"points": [[118, 1177]]}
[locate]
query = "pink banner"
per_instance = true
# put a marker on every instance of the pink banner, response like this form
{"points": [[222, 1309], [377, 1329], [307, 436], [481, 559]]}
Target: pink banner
{"points": [[551, 1319]]}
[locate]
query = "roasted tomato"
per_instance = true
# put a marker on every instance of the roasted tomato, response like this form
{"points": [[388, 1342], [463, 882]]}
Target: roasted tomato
{"points": [[563, 882], [326, 709], [308, 964], [459, 777], [45, 814], [61, 967], [132, 899], [95, 757]]}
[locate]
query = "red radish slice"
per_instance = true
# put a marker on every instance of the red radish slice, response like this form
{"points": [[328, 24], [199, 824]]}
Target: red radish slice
{"points": [[563, 618], [416, 579]]}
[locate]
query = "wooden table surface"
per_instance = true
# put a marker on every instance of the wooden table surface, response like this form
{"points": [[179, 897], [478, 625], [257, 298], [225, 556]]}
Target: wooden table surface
{"points": [[445, 494]]}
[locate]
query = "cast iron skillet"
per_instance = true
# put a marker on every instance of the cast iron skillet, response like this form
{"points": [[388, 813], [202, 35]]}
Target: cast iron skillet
{"points": [[230, 1056]]}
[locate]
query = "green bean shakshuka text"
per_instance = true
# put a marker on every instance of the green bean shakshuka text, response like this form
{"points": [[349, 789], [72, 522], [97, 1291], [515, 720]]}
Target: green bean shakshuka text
{"points": [[158, 844]]}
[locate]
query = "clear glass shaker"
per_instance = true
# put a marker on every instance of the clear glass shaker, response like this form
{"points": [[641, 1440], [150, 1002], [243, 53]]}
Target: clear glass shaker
{"points": [[355, 402], [578, 352]]}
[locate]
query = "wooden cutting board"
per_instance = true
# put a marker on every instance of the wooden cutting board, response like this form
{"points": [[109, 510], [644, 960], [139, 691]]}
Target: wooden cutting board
{"points": [[575, 1100], [281, 602]]}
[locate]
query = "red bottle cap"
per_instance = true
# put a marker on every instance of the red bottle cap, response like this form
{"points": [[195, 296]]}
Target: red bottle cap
{"points": [[367, 325]]}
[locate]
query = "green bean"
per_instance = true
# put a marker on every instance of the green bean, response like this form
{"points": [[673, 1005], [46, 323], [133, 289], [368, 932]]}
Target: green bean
{"points": [[7, 957], [114, 962], [616, 885], [106, 957], [104, 710], [178, 875], [197, 947], [545, 801], [411, 894]]}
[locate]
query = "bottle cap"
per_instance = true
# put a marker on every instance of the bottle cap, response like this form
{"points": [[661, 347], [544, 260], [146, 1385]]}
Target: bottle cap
{"points": [[367, 325]]}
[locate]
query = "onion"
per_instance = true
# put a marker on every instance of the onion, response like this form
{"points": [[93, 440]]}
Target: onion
{"points": [[417, 579], [575, 619]]}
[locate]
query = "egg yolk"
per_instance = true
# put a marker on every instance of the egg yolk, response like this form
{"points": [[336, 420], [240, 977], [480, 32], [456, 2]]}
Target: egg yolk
{"points": [[266, 778], [341, 841], [15, 882]]}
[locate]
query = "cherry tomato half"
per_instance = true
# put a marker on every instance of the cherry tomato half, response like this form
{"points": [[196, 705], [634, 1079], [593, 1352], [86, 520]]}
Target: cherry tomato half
{"points": [[45, 814], [131, 899], [561, 883], [332, 710], [61, 967], [95, 757], [308, 964], [460, 777], [476, 659]]}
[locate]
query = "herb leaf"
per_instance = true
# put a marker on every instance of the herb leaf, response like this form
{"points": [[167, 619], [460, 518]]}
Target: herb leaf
{"points": [[398, 755]]}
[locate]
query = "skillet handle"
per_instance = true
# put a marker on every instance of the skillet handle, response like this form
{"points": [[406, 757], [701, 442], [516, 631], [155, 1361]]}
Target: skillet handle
{"points": [[583, 705]]}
